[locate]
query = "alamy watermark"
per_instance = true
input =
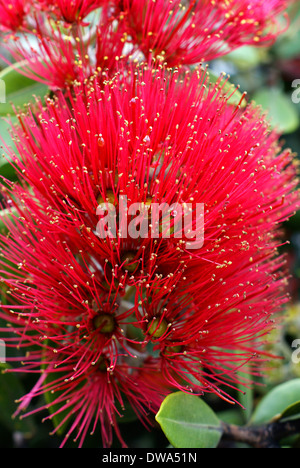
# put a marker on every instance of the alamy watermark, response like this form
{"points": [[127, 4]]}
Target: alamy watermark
{"points": [[296, 353], [181, 221], [2, 352], [2, 92], [296, 93]]}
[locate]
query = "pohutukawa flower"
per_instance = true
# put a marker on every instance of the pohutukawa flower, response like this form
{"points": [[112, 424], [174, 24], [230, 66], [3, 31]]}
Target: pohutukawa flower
{"points": [[57, 59], [76, 10], [64, 50], [62, 55], [95, 293], [12, 14], [197, 31], [112, 44], [75, 38]]}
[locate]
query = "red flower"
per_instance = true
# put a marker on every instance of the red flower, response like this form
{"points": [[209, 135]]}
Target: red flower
{"points": [[12, 14], [112, 44], [76, 10], [72, 45], [196, 31], [56, 63], [197, 313], [60, 56]]}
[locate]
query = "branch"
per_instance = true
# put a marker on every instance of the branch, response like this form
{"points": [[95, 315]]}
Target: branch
{"points": [[267, 436]]}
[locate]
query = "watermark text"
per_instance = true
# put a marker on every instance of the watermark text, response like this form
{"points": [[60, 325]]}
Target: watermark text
{"points": [[181, 221]]}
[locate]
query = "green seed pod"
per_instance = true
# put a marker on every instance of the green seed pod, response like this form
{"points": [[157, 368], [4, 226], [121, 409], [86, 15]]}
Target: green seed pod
{"points": [[128, 262], [105, 322], [158, 327]]}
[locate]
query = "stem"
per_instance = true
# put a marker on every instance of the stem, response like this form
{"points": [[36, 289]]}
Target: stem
{"points": [[267, 436]]}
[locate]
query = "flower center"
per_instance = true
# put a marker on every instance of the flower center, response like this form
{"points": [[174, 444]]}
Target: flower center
{"points": [[129, 263], [110, 198], [158, 328], [102, 364], [170, 350], [104, 323]]}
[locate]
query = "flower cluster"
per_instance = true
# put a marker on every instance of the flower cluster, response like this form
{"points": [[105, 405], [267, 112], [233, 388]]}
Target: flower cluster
{"points": [[65, 40], [106, 320]]}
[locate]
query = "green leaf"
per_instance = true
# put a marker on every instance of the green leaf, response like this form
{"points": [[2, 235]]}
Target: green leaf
{"points": [[287, 45], [6, 214], [282, 113], [278, 402], [19, 89], [291, 411], [11, 389], [228, 89], [245, 397], [188, 422], [287, 48], [5, 133], [50, 397], [244, 58], [7, 170], [232, 416]]}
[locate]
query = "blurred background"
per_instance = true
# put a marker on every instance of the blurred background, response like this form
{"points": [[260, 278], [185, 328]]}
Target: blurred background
{"points": [[271, 77]]}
